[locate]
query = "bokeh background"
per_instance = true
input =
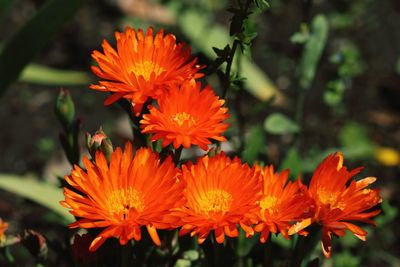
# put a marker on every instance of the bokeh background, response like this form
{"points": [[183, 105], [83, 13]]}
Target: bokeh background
{"points": [[352, 105]]}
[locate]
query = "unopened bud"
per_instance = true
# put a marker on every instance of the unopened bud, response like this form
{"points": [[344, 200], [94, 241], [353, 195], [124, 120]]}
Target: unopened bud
{"points": [[65, 108], [99, 141]]}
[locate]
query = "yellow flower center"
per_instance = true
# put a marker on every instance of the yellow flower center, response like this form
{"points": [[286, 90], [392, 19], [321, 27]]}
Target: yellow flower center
{"points": [[268, 203], [182, 117], [215, 200], [121, 201], [146, 68], [331, 199]]}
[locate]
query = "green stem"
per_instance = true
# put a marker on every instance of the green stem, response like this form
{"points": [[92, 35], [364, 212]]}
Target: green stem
{"points": [[227, 79], [177, 155], [125, 259], [305, 245], [267, 261]]}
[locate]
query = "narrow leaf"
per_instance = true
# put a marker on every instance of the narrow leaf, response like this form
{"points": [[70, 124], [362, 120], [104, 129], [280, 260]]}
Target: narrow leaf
{"points": [[40, 192], [39, 74], [313, 50]]}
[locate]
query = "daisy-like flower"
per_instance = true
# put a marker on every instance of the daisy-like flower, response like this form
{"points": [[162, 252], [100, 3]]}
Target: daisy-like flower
{"points": [[220, 193], [124, 195], [142, 66], [282, 204], [187, 116], [337, 205]]}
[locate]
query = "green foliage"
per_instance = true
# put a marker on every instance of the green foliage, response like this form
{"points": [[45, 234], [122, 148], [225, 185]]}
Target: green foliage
{"points": [[355, 141], [293, 161], [350, 64], [302, 36], [245, 245], [254, 144], [278, 123], [333, 94], [43, 75], [346, 259], [205, 35], [312, 52], [42, 193], [37, 32]]}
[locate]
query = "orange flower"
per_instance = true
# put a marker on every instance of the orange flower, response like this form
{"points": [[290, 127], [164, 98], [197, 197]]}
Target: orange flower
{"points": [[282, 203], [220, 193], [336, 204], [3, 228], [124, 195], [186, 116], [143, 66]]}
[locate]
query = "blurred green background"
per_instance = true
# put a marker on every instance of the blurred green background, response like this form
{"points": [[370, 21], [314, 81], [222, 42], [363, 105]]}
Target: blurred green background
{"points": [[342, 56]]}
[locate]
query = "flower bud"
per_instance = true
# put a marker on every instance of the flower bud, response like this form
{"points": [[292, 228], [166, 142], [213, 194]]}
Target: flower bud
{"points": [[99, 141], [65, 108]]}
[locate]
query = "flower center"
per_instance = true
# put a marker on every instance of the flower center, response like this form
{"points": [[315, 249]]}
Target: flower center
{"points": [[268, 203], [121, 201], [331, 199], [215, 200], [146, 68], [182, 117]]}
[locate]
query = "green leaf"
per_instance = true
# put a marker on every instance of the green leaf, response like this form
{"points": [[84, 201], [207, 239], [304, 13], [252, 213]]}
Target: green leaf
{"points": [[192, 255], [293, 161], [346, 259], [245, 244], [182, 263], [39, 74], [313, 50], [278, 123], [333, 93], [34, 35], [40, 192], [254, 144], [355, 141]]}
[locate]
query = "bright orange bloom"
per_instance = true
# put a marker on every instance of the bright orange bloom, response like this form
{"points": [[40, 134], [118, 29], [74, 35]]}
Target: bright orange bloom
{"points": [[124, 195], [220, 194], [187, 116], [3, 228], [143, 66], [336, 204], [282, 203]]}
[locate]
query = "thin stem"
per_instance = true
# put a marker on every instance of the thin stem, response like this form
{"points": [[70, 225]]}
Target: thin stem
{"points": [[229, 60], [267, 261], [227, 78], [305, 245], [125, 259], [177, 155]]}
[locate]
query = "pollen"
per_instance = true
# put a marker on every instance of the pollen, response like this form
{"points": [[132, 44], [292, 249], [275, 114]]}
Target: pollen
{"points": [[215, 201], [121, 201], [146, 68], [269, 203], [331, 199], [183, 117]]}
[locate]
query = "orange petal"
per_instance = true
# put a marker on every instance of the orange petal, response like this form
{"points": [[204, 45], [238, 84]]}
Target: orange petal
{"points": [[326, 243], [153, 234], [299, 226]]}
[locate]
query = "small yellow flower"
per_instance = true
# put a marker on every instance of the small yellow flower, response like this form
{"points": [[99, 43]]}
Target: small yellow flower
{"points": [[387, 156]]}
